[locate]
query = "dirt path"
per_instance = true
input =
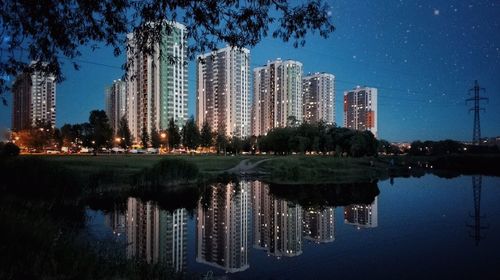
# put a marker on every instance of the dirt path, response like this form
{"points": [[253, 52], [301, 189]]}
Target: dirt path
{"points": [[246, 167]]}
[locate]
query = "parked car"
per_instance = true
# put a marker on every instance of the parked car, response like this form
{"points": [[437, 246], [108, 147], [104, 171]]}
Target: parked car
{"points": [[117, 150], [52, 152], [152, 151]]}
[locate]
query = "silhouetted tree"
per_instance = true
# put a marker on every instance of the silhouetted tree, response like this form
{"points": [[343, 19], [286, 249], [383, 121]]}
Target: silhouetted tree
{"points": [[206, 135], [174, 137], [191, 134], [144, 138], [45, 32], [221, 142], [100, 129], [124, 133], [155, 139]]}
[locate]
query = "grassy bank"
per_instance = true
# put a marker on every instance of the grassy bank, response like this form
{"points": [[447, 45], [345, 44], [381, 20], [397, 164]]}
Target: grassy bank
{"points": [[120, 169]]}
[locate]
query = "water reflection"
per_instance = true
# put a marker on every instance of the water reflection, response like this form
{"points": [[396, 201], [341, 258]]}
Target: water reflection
{"points": [[233, 217], [477, 183], [362, 215], [278, 223], [319, 225], [222, 226], [155, 235]]}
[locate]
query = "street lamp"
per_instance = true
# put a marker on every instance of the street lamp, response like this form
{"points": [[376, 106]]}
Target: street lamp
{"points": [[163, 136]]}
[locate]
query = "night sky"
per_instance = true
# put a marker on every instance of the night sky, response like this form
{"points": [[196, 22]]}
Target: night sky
{"points": [[423, 56]]}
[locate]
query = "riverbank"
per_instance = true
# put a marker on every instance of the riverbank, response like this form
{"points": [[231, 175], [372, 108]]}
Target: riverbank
{"points": [[293, 169]]}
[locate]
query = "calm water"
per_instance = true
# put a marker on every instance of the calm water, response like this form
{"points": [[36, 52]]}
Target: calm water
{"points": [[415, 228]]}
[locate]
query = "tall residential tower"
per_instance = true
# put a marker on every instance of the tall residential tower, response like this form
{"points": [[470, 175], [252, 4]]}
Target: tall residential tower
{"points": [[157, 84], [34, 100], [277, 98], [116, 103], [319, 98], [360, 109], [223, 91]]}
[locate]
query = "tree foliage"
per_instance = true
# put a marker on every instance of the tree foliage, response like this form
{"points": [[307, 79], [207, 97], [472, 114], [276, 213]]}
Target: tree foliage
{"points": [[144, 138], [100, 129], [51, 31], [206, 135], [155, 139], [318, 138], [124, 133], [191, 134], [174, 136]]}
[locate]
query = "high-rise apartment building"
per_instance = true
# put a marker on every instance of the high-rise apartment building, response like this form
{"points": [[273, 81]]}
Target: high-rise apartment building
{"points": [[277, 100], [222, 227], [360, 109], [157, 84], [223, 91], [34, 100], [116, 103], [319, 98], [362, 215]]}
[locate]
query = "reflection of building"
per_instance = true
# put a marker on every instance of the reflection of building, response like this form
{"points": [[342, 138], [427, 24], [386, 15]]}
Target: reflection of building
{"points": [[222, 227], [157, 85], [362, 215], [277, 98], [156, 236], [319, 98], [116, 103], [34, 100], [116, 221], [360, 109], [223, 94], [319, 225], [277, 223]]}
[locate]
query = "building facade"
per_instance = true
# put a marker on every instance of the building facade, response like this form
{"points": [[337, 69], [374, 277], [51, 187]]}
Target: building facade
{"points": [[223, 91], [222, 227], [319, 98], [116, 103], [157, 84], [277, 100], [360, 109], [34, 100]]}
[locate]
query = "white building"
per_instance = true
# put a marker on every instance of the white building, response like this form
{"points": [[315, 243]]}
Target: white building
{"points": [[360, 109], [34, 100], [116, 103], [277, 100], [223, 91], [157, 85], [319, 98]]}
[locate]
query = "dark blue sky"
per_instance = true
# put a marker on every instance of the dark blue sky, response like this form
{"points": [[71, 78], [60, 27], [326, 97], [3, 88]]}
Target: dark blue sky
{"points": [[423, 56]]}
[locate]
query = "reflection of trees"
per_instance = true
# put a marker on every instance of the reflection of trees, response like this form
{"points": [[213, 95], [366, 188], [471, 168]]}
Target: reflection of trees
{"points": [[331, 195]]}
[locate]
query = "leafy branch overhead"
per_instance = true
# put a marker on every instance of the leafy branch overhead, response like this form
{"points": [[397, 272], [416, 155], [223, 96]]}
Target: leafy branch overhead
{"points": [[52, 31]]}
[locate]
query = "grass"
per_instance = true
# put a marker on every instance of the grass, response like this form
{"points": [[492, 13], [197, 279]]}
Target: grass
{"points": [[320, 169]]}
